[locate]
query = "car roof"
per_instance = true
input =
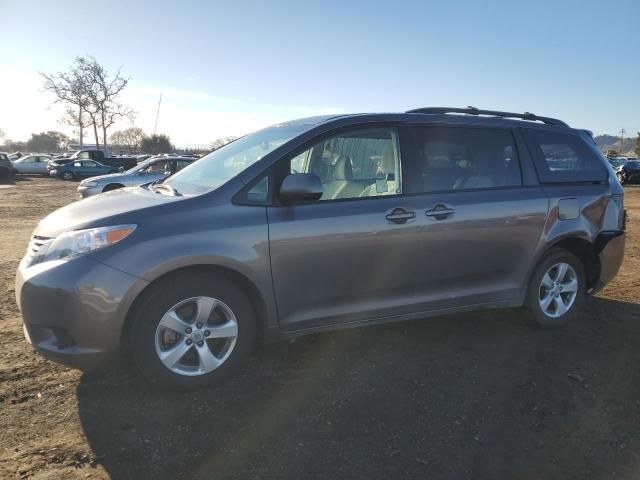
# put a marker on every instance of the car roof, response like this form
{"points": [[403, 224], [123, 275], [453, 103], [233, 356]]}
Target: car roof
{"points": [[445, 115]]}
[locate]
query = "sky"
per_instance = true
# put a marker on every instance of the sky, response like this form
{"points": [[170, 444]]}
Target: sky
{"points": [[231, 67]]}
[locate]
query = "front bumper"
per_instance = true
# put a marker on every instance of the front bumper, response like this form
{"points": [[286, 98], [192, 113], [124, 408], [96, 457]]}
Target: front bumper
{"points": [[74, 311], [84, 191]]}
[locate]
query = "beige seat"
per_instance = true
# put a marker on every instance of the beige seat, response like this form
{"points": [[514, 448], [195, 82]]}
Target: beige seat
{"points": [[387, 182], [342, 185]]}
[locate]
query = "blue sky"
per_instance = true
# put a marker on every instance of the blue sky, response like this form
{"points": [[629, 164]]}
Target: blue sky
{"points": [[230, 67]]}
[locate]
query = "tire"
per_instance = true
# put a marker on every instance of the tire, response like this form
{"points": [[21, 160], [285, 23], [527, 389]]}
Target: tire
{"points": [[148, 333], [112, 186], [68, 175], [539, 294]]}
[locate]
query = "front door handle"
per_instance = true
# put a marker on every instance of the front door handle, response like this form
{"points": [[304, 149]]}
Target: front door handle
{"points": [[400, 215], [439, 212]]}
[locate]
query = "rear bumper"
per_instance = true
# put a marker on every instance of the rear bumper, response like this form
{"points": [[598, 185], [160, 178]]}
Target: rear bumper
{"points": [[611, 255], [74, 311]]}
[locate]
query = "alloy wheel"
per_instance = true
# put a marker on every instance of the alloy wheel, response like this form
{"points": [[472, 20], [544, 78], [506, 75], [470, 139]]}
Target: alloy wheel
{"points": [[558, 290], [196, 336]]}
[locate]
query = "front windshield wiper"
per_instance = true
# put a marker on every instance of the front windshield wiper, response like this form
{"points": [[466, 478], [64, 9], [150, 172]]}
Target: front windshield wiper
{"points": [[164, 186]]}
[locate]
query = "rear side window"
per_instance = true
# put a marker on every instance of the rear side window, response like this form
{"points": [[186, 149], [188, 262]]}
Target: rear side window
{"points": [[564, 157], [457, 158]]}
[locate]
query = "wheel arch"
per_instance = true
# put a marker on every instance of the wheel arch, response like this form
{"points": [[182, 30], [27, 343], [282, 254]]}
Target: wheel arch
{"points": [[240, 280], [112, 186], [582, 248]]}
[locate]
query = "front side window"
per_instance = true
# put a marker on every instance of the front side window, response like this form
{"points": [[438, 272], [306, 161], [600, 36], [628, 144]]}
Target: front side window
{"points": [[356, 164], [564, 157], [88, 163], [221, 165], [458, 158]]}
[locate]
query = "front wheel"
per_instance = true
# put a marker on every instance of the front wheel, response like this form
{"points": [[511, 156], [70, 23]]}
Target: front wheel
{"points": [[67, 175], [557, 289], [192, 332]]}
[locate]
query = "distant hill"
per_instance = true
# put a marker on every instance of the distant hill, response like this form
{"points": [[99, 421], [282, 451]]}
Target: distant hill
{"points": [[611, 142]]}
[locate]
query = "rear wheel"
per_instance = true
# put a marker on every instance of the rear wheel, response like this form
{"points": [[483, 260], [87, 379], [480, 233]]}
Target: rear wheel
{"points": [[68, 175], [557, 289], [192, 332]]}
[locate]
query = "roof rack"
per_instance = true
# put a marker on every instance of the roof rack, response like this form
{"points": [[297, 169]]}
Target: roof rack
{"points": [[492, 113]]}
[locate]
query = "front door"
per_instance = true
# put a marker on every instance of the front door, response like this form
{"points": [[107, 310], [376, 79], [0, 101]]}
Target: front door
{"points": [[350, 255]]}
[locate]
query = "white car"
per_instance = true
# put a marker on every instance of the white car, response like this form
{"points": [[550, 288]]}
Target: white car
{"points": [[35, 163]]}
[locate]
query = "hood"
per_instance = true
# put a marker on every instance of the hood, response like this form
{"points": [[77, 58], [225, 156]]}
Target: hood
{"points": [[99, 210], [106, 178]]}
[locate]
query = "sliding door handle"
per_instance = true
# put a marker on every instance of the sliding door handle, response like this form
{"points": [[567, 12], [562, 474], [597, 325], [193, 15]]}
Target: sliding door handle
{"points": [[439, 212]]}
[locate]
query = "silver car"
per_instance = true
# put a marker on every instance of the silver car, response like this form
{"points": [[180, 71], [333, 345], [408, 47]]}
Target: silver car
{"points": [[324, 223], [151, 170], [35, 163]]}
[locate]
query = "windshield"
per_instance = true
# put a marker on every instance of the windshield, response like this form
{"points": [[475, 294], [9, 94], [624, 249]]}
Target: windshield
{"points": [[223, 164], [140, 166]]}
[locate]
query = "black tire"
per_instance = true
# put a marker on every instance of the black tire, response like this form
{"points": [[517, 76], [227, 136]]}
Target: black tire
{"points": [[160, 299], [68, 175], [112, 186], [532, 304]]}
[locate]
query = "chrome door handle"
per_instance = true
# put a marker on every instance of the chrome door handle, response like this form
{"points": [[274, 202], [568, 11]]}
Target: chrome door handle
{"points": [[439, 212], [400, 215]]}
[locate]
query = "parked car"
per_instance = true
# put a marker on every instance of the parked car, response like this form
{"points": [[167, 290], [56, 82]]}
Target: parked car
{"points": [[56, 163], [152, 170], [99, 156], [7, 170], [142, 158], [628, 172], [15, 156], [81, 169], [616, 162], [33, 163], [323, 223]]}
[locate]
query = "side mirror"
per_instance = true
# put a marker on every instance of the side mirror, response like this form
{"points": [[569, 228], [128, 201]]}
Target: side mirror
{"points": [[301, 187]]}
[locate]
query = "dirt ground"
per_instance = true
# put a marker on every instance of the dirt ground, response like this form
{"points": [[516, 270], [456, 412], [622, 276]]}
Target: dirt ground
{"points": [[477, 396]]}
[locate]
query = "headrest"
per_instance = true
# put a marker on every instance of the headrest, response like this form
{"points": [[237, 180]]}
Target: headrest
{"points": [[343, 169]]}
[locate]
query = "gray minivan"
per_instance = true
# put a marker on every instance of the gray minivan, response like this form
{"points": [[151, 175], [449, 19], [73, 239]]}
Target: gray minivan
{"points": [[323, 223]]}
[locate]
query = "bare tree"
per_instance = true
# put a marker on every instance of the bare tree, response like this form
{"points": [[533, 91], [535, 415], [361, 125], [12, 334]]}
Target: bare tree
{"points": [[104, 90], [77, 120], [221, 142], [131, 137], [70, 89]]}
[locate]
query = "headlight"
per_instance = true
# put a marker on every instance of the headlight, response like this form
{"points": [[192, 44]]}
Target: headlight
{"points": [[78, 242], [89, 184]]}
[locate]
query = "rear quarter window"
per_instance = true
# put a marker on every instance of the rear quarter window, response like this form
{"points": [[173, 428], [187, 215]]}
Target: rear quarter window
{"points": [[564, 158]]}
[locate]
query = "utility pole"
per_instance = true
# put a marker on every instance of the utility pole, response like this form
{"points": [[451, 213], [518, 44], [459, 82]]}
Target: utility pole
{"points": [[622, 132], [157, 113]]}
